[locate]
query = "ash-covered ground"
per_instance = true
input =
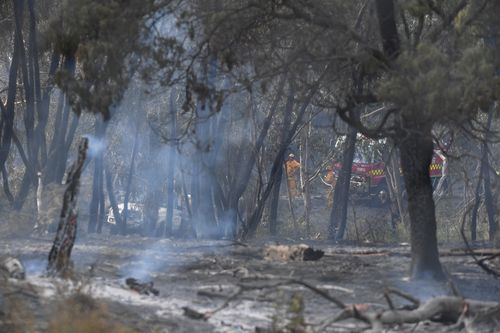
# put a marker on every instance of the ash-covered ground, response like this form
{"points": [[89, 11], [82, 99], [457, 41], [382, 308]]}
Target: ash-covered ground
{"points": [[205, 276]]}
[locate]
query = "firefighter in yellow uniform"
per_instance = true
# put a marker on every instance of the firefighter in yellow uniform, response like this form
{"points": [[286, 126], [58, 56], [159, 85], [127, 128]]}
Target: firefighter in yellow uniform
{"points": [[291, 166], [331, 181]]}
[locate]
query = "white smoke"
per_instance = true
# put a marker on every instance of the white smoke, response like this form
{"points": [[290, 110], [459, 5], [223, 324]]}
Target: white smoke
{"points": [[96, 145]]}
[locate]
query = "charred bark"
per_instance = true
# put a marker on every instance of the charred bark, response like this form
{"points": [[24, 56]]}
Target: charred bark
{"points": [[6, 130], [416, 148], [250, 227], [60, 253], [97, 201], [154, 176], [273, 217], [305, 178], [171, 164], [274, 204], [488, 196], [388, 29], [61, 141], [112, 198], [43, 111], [338, 215], [123, 226], [416, 155], [247, 164]]}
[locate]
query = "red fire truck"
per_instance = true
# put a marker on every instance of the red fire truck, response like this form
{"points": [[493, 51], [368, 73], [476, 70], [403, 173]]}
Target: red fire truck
{"points": [[368, 179]]}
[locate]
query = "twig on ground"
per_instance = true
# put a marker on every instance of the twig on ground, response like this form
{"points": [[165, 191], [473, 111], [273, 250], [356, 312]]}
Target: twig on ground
{"points": [[320, 292], [404, 295], [481, 263]]}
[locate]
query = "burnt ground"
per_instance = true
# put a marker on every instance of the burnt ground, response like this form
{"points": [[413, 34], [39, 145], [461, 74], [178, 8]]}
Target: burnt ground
{"points": [[202, 275]]}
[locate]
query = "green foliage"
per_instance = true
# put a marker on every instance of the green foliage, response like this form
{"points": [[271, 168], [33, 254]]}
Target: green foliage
{"points": [[416, 8], [103, 36], [439, 86]]}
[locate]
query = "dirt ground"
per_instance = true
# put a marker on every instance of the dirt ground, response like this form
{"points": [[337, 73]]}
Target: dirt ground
{"points": [[204, 275]]}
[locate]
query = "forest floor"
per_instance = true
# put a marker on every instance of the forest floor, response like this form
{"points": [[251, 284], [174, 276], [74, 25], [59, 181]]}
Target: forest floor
{"points": [[234, 285]]}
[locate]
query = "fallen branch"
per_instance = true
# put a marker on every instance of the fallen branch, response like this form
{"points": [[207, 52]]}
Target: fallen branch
{"points": [[444, 309], [481, 263], [242, 287]]}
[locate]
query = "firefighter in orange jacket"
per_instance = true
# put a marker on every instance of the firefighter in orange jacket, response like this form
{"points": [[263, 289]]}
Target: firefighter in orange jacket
{"points": [[330, 180], [291, 166]]}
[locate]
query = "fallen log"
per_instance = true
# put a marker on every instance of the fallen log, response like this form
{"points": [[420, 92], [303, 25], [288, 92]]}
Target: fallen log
{"points": [[443, 309], [301, 252], [146, 288]]}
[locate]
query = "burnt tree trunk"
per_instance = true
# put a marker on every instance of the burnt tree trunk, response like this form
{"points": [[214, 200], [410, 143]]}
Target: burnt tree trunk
{"points": [[154, 178], [96, 201], [247, 159], [8, 114], [488, 195], [287, 119], [274, 204], [60, 253], [477, 201], [338, 215], [62, 139], [416, 155], [28, 79], [43, 110], [305, 177], [484, 183], [253, 222], [171, 164], [416, 148], [112, 198], [123, 226]]}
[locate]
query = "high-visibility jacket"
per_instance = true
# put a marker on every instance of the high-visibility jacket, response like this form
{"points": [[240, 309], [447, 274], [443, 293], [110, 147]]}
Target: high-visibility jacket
{"points": [[291, 166]]}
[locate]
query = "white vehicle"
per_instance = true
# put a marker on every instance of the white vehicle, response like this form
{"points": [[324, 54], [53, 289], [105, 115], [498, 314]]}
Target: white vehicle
{"points": [[136, 215]]}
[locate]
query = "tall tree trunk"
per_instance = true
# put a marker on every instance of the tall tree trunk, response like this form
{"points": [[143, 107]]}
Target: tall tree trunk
{"points": [[112, 198], [43, 111], [247, 164], [274, 204], [287, 119], [484, 183], [101, 215], [171, 163], [29, 178], [253, 221], [305, 181], [416, 155], [154, 178], [96, 202], [61, 141], [7, 129], [338, 215], [388, 29], [489, 203], [203, 210], [393, 178], [477, 201], [416, 148], [60, 253], [123, 227], [488, 196]]}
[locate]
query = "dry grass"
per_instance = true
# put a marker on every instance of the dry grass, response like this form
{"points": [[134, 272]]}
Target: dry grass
{"points": [[22, 311], [80, 313]]}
